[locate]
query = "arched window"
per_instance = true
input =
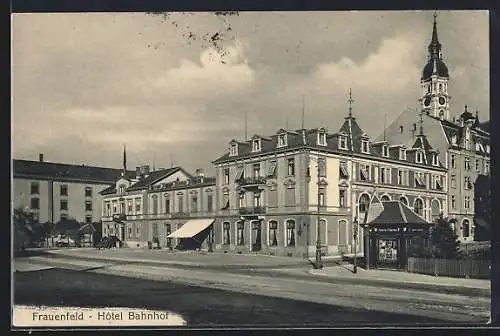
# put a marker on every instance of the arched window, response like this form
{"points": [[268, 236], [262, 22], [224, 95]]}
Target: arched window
{"points": [[418, 207], [435, 209], [226, 235], [364, 201], [323, 231], [465, 228], [403, 200], [155, 204], [385, 198], [453, 226], [273, 233], [290, 232]]}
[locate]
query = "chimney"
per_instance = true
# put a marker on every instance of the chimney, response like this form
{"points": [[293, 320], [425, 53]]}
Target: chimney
{"points": [[145, 170], [40, 157], [137, 172], [200, 174]]}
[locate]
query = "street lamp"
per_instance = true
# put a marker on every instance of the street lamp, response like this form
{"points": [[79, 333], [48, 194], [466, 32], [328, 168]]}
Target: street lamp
{"points": [[318, 264], [355, 236]]}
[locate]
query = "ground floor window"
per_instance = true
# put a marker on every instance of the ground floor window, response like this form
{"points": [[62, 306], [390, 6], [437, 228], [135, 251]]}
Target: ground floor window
{"points": [[240, 233], [168, 231], [387, 250], [226, 229], [273, 233], [290, 233], [129, 232]]}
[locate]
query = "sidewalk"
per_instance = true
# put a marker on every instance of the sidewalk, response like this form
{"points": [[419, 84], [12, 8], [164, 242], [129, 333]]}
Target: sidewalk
{"points": [[404, 279]]}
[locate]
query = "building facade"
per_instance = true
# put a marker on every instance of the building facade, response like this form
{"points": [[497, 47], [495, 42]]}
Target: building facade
{"points": [[56, 191], [151, 205], [463, 141], [272, 191]]}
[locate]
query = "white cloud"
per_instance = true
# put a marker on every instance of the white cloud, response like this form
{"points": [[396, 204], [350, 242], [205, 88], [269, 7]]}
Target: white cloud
{"points": [[387, 70], [219, 73]]}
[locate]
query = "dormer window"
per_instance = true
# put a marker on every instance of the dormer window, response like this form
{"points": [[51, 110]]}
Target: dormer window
{"points": [[385, 151], [233, 150], [256, 145], [402, 154], [343, 142], [322, 138], [121, 189], [281, 140], [488, 149], [478, 147], [364, 146], [419, 157], [435, 160], [454, 139]]}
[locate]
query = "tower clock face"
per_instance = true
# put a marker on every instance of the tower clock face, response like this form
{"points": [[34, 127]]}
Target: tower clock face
{"points": [[441, 100], [427, 101]]}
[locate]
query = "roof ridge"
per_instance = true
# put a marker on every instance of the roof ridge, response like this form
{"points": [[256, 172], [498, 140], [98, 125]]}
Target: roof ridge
{"points": [[402, 212]]}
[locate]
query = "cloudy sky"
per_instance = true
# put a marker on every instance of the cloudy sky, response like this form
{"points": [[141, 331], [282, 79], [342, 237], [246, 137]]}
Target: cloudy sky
{"points": [[176, 88]]}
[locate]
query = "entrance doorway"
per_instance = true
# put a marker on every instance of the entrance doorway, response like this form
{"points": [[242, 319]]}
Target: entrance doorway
{"points": [[388, 251], [256, 236]]}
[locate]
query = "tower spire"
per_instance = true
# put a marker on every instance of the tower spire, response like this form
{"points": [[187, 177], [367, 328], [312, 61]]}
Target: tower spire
{"points": [[349, 102], [434, 45], [124, 158], [421, 114]]}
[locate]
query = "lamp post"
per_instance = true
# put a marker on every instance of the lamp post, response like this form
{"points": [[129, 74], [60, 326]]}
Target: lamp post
{"points": [[318, 264], [355, 236]]}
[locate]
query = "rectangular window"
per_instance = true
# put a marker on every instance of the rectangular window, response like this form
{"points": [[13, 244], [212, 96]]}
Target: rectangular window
{"points": [[63, 189], [453, 162], [290, 233], [321, 197], [273, 233], [343, 170], [233, 150], [226, 175], [256, 146], [240, 233], [363, 173], [63, 216], [364, 146], [467, 163], [88, 191], [88, 219], [291, 167], [167, 205], [453, 202], [322, 139], [210, 201], [225, 201], [226, 233], [115, 207], [385, 151], [486, 168], [194, 204], [453, 181], [381, 178], [88, 205], [241, 200], [180, 204], [256, 170], [256, 199], [272, 169], [322, 167], [402, 154], [343, 142], [129, 207], [35, 203], [467, 202], [342, 198], [137, 205], [35, 188], [419, 180], [64, 205], [478, 168], [108, 209], [281, 140], [400, 177], [154, 200]]}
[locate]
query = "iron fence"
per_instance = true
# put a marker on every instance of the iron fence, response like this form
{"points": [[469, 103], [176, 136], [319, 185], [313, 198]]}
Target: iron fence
{"points": [[464, 268]]}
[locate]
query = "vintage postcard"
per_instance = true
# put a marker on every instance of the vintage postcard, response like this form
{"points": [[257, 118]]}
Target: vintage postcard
{"points": [[251, 169]]}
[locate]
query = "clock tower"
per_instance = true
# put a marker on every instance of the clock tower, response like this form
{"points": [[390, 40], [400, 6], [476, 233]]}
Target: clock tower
{"points": [[434, 82]]}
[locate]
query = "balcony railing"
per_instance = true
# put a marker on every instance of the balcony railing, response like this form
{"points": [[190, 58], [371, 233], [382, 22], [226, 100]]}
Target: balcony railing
{"points": [[256, 210], [249, 181]]}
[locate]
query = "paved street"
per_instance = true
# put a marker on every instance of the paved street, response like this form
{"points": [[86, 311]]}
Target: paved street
{"points": [[215, 297]]}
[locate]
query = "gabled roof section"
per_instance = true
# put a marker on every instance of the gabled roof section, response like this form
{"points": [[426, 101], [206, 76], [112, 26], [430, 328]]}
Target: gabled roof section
{"points": [[354, 133], [422, 142], [153, 177], [66, 172], [109, 190]]}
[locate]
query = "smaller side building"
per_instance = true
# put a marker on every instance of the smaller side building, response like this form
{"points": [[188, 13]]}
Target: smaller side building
{"points": [[146, 207], [55, 191]]}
